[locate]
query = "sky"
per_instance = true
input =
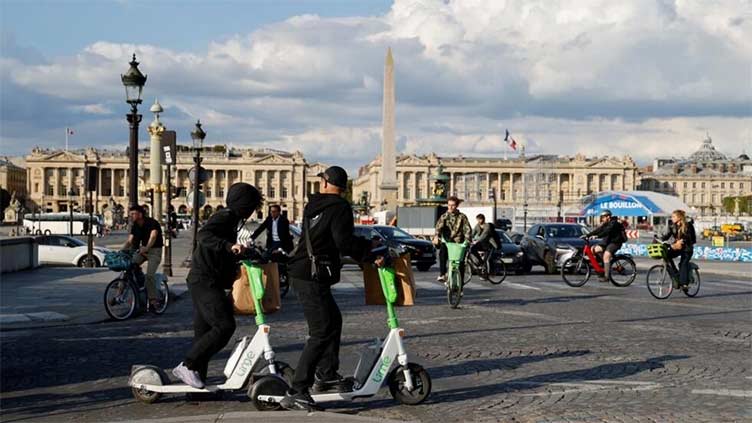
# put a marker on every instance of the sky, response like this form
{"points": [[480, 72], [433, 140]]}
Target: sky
{"points": [[643, 78]]}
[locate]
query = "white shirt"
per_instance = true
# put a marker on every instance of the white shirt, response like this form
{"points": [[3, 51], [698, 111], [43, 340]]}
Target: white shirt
{"points": [[275, 234]]}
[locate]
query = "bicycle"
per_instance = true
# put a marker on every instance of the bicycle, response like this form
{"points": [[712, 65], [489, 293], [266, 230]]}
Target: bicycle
{"points": [[454, 284], [125, 296], [658, 286], [491, 267], [577, 269]]}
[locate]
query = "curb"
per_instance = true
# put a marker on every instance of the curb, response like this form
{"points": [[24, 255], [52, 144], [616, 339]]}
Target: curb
{"points": [[269, 416]]}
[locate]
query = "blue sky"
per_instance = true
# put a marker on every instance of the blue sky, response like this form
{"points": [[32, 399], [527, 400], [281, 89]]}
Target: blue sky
{"points": [[637, 77]]}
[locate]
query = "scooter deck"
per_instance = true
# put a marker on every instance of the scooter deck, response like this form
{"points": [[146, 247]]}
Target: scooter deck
{"points": [[179, 388]]}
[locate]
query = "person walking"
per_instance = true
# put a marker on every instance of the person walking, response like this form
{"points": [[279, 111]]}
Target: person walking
{"points": [[214, 268], [452, 226], [146, 237], [277, 229], [328, 233]]}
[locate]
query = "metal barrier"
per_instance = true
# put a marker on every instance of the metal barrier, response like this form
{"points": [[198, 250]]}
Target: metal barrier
{"points": [[701, 252]]}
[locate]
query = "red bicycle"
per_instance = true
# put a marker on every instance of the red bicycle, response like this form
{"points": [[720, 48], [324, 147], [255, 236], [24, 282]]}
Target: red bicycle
{"points": [[577, 269]]}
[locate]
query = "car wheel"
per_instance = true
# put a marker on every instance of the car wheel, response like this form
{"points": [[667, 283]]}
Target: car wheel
{"points": [[526, 266], [82, 262]]}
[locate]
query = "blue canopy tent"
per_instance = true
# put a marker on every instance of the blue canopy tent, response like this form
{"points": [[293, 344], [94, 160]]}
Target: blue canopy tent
{"points": [[634, 204]]}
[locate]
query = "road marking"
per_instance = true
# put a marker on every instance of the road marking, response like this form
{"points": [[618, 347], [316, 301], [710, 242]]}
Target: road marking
{"points": [[13, 318], [588, 386], [436, 320], [724, 392], [514, 285], [42, 316]]}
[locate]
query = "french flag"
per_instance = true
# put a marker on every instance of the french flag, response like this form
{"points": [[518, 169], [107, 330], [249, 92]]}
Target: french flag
{"points": [[510, 141]]}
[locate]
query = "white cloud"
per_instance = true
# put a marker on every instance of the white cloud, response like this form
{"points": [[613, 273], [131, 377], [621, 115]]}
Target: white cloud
{"points": [[593, 76]]}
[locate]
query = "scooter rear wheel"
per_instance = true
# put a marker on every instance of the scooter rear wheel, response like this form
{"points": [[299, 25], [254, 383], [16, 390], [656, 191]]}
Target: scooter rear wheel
{"points": [[421, 385], [267, 385]]}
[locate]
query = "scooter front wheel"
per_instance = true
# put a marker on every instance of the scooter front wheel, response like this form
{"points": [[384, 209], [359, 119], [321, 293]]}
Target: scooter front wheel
{"points": [[267, 385], [146, 376], [421, 384]]}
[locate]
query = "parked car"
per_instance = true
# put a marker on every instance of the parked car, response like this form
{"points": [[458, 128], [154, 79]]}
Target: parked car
{"points": [[544, 242], [516, 237], [503, 224], [422, 252], [512, 254], [65, 250]]}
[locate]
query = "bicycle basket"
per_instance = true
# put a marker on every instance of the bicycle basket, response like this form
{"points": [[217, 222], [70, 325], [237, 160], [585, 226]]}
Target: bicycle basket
{"points": [[656, 251], [455, 251], [117, 261]]}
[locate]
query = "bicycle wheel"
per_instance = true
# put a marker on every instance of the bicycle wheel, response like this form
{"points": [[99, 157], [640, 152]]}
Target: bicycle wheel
{"points": [[468, 274], [623, 271], [120, 299], [496, 270], [694, 283], [659, 282], [163, 292], [575, 271], [454, 288]]}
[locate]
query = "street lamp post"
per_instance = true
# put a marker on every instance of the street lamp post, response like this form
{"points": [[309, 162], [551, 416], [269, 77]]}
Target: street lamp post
{"points": [[197, 136], [524, 217], [71, 194], [134, 81]]}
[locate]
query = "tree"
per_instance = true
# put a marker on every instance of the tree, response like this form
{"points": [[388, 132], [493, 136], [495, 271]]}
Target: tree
{"points": [[349, 191], [745, 204]]}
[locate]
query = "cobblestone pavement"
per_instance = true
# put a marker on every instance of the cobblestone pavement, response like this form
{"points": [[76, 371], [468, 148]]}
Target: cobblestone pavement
{"points": [[529, 350]]}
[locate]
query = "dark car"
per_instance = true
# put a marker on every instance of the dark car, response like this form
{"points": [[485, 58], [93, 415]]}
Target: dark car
{"points": [[542, 241], [422, 252], [512, 254]]}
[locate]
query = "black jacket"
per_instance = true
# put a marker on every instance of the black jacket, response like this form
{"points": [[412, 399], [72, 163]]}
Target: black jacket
{"points": [[283, 230], [612, 231], [331, 233], [689, 237], [486, 234], [213, 261]]}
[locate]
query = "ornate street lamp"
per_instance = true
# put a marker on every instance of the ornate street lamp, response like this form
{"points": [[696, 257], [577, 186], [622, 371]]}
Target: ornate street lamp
{"points": [[197, 136], [71, 196], [134, 81]]}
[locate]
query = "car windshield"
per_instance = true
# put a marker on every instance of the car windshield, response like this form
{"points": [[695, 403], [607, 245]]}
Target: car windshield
{"points": [[74, 241], [565, 231], [504, 238], [391, 232]]}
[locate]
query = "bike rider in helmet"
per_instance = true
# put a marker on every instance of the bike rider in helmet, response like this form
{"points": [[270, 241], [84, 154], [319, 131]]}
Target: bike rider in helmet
{"points": [[612, 232]]}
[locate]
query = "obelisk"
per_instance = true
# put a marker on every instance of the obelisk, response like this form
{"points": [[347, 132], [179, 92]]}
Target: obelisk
{"points": [[388, 174]]}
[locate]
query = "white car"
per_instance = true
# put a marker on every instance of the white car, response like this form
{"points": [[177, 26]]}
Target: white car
{"points": [[64, 250]]}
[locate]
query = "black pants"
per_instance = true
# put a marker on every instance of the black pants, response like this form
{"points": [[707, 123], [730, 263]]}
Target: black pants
{"points": [[213, 323], [685, 256], [444, 257], [324, 320]]}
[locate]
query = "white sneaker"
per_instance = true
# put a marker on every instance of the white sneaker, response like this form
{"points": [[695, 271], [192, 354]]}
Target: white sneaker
{"points": [[188, 376], [441, 278]]}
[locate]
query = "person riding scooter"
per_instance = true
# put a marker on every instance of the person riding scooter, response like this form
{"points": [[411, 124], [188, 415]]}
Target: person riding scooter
{"points": [[612, 232], [214, 269]]}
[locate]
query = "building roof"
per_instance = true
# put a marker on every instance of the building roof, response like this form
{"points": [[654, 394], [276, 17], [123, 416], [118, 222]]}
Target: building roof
{"points": [[707, 152]]}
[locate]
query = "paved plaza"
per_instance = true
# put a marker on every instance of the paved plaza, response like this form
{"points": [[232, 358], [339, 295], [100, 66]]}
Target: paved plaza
{"points": [[529, 350]]}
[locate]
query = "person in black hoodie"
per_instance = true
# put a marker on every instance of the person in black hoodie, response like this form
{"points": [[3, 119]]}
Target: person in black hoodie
{"points": [[612, 232], [328, 228], [213, 269]]}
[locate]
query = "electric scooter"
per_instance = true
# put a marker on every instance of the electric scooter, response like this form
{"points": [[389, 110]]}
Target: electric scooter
{"points": [[251, 364], [380, 363]]}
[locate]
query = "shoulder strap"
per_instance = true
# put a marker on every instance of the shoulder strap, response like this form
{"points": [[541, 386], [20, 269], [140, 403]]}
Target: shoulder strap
{"points": [[309, 247]]}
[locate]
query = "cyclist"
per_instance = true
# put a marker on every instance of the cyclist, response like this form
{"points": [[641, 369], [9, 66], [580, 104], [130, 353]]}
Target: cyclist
{"points": [[612, 232], [146, 235], [683, 232], [485, 239], [452, 226]]}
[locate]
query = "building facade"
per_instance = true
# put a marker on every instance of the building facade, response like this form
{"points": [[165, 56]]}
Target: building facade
{"points": [[701, 180], [539, 180], [13, 178], [284, 178]]}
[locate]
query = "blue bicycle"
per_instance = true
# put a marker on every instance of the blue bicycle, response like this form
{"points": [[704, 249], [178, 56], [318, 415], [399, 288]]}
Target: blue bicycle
{"points": [[126, 296]]}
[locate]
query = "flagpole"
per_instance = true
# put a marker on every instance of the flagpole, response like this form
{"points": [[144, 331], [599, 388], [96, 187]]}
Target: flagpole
{"points": [[66, 138]]}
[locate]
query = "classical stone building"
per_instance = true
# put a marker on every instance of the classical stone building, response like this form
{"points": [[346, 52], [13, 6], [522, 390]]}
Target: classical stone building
{"points": [[12, 178], [284, 178], [537, 180], [701, 180]]}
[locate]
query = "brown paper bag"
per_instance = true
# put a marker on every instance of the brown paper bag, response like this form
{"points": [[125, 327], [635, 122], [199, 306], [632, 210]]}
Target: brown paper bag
{"points": [[241, 291], [405, 282]]}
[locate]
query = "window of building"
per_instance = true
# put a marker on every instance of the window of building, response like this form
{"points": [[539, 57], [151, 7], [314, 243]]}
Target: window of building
{"points": [[694, 184], [271, 192], [685, 185], [723, 185], [36, 187], [208, 192], [63, 172], [50, 190], [221, 192], [741, 185], [731, 185], [121, 191], [702, 198], [673, 185], [284, 191], [702, 185]]}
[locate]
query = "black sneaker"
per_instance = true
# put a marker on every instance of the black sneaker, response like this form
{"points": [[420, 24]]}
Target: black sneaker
{"points": [[332, 384], [299, 401]]}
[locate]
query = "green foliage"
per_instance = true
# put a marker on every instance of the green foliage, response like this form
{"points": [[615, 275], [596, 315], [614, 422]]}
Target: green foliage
{"points": [[745, 204]]}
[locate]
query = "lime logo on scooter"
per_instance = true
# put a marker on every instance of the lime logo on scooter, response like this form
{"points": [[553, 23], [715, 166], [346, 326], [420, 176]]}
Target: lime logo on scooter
{"points": [[245, 366], [383, 368]]}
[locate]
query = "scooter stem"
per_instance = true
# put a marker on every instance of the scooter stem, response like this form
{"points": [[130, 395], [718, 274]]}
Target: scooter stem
{"points": [[387, 276], [255, 278]]}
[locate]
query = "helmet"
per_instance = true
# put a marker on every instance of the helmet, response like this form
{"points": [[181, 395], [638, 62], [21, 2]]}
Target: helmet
{"points": [[606, 213]]}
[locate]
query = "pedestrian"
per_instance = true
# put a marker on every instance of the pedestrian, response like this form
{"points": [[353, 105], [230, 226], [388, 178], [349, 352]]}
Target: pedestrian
{"points": [[146, 237], [452, 226], [277, 229], [214, 268], [328, 233]]}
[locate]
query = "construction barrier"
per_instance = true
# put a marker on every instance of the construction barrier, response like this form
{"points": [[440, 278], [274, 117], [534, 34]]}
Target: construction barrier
{"points": [[701, 252]]}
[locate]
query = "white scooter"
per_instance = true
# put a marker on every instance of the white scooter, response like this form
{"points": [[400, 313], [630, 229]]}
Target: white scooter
{"points": [[253, 358], [380, 363]]}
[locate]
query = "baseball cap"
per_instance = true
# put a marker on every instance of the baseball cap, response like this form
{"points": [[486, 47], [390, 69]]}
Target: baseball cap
{"points": [[335, 175]]}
